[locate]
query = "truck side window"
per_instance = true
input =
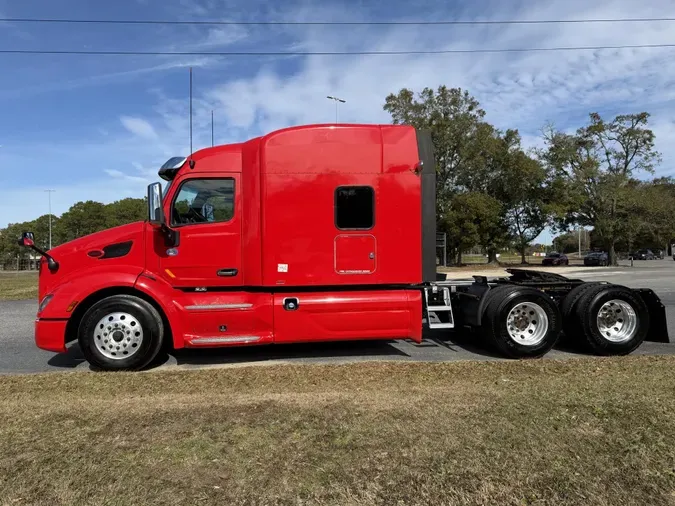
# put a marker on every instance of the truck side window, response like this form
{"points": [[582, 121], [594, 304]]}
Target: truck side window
{"points": [[354, 207], [203, 201]]}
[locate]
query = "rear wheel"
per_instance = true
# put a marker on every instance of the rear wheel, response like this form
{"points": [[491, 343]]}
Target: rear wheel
{"points": [[121, 332], [521, 322], [613, 319], [571, 326]]}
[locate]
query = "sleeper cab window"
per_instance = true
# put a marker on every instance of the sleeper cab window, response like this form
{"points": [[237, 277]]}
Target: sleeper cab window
{"points": [[354, 207], [204, 201]]}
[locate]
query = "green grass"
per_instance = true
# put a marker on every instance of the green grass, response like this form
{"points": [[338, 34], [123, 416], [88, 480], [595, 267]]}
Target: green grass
{"points": [[18, 285], [581, 431]]}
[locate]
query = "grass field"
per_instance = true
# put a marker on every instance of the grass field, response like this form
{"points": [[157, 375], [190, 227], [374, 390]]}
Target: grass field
{"points": [[582, 431], [18, 285]]}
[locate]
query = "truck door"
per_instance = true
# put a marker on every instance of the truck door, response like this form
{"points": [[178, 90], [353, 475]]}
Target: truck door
{"points": [[206, 210]]}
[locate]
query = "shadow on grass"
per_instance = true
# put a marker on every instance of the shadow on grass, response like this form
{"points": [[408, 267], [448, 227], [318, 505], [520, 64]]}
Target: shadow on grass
{"points": [[328, 351], [437, 346]]}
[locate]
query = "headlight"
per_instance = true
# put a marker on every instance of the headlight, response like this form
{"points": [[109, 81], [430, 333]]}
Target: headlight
{"points": [[44, 302]]}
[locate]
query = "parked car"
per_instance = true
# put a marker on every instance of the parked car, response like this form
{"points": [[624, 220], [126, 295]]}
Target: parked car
{"points": [[597, 258], [643, 254], [555, 259]]}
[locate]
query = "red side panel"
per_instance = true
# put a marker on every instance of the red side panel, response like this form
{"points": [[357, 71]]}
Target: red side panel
{"points": [[400, 196], [332, 316], [301, 170], [355, 254], [228, 318], [251, 235]]}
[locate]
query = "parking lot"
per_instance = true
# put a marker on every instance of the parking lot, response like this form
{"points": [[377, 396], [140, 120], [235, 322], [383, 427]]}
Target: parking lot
{"points": [[19, 354]]}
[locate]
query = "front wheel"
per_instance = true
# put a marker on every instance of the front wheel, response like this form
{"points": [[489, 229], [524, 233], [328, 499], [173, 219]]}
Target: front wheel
{"points": [[521, 322], [121, 332]]}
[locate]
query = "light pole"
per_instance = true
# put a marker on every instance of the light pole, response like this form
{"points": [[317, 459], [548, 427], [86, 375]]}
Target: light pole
{"points": [[336, 100], [49, 192]]}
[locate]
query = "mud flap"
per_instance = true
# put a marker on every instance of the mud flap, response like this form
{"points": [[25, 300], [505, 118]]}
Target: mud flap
{"points": [[658, 328]]}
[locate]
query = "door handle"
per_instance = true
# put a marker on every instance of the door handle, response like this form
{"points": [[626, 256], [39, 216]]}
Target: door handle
{"points": [[227, 272]]}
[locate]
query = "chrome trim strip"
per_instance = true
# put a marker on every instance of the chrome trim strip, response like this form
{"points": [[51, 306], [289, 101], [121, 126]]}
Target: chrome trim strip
{"points": [[218, 306], [233, 339]]}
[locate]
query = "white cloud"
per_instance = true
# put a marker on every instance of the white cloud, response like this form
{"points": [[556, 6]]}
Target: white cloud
{"points": [[139, 127], [518, 90]]}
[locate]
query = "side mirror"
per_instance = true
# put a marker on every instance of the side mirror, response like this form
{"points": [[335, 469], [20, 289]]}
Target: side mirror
{"points": [[155, 209], [156, 215], [27, 239]]}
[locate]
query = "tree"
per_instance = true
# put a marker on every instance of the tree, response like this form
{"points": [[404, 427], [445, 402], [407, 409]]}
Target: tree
{"points": [[81, 219], [9, 248], [566, 243], [595, 167], [659, 196], [471, 219], [527, 195], [472, 157], [40, 227], [453, 118], [126, 211], [502, 169]]}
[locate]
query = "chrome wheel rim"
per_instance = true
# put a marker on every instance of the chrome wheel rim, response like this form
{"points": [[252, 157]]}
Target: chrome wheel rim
{"points": [[617, 321], [118, 336], [527, 324]]}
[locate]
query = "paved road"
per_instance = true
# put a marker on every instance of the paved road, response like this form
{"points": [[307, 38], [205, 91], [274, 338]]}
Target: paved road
{"points": [[18, 353]]}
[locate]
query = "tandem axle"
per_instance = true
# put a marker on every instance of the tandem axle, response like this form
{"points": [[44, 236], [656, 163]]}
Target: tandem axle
{"points": [[525, 314]]}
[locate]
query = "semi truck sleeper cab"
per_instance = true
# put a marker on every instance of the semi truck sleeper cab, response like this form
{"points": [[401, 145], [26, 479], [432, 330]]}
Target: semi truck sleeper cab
{"points": [[310, 233]]}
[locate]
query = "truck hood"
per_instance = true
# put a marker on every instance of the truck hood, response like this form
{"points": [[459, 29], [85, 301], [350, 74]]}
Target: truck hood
{"points": [[104, 250], [99, 239]]}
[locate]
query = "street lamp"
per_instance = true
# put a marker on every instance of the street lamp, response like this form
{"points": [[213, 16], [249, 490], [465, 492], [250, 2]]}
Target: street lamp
{"points": [[336, 100], [49, 192]]}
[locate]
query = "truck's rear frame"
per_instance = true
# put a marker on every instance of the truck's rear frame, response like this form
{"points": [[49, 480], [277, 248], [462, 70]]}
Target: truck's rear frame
{"points": [[458, 304]]}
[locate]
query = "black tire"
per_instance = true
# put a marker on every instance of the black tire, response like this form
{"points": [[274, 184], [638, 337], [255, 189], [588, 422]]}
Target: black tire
{"points": [[497, 291], [495, 317], [570, 324], [586, 312], [141, 313]]}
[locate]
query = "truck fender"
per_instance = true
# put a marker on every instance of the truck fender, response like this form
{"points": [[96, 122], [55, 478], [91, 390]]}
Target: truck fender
{"points": [[79, 288], [473, 302], [658, 325], [164, 294]]}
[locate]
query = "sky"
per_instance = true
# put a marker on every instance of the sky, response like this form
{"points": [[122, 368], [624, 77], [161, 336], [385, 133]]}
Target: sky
{"points": [[99, 127]]}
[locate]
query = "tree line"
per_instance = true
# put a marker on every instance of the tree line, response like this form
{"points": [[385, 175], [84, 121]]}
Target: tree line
{"points": [[491, 192], [494, 193], [81, 219]]}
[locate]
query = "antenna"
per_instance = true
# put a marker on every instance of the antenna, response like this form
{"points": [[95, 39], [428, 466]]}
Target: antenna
{"points": [[211, 127], [190, 112], [192, 162]]}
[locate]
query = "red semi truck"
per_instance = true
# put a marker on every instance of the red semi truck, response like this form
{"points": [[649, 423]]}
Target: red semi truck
{"points": [[311, 233]]}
